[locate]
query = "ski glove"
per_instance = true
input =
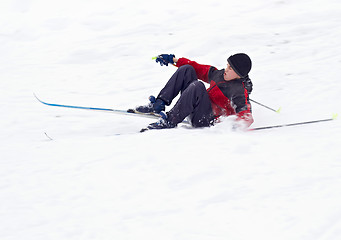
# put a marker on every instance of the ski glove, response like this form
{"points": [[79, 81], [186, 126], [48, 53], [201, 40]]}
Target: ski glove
{"points": [[164, 59]]}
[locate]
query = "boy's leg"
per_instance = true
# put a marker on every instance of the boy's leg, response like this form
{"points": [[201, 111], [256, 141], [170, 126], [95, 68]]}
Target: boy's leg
{"points": [[177, 83], [195, 103], [180, 80]]}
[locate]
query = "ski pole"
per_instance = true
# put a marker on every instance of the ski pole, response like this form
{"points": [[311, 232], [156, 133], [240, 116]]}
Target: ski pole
{"points": [[295, 124], [277, 111]]}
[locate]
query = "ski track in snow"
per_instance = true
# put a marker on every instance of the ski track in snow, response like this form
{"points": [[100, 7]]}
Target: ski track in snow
{"points": [[73, 174]]}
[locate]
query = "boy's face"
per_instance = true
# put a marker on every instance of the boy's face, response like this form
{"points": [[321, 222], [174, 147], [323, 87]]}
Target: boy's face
{"points": [[230, 74]]}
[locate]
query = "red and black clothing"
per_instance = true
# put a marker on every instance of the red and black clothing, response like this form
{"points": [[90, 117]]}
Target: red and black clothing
{"points": [[222, 98]]}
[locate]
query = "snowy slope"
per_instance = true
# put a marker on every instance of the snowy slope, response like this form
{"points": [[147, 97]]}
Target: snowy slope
{"points": [[100, 179]]}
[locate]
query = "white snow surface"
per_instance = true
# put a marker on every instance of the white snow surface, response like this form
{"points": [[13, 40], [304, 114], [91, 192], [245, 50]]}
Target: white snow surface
{"points": [[98, 178]]}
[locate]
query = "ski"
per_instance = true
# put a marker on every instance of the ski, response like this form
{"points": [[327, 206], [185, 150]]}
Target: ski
{"points": [[130, 112], [294, 124]]}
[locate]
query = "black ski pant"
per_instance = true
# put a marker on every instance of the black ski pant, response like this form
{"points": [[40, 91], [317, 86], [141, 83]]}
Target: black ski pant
{"points": [[194, 101]]}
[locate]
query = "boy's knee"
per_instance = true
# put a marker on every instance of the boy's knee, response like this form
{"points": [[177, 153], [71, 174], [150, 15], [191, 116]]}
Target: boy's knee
{"points": [[187, 68], [199, 86]]}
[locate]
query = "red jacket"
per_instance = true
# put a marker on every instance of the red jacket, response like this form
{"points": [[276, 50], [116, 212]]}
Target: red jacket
{"points": [[227, 97]]}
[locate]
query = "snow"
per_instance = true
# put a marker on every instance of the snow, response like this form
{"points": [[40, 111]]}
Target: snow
{"points": [[98, 178]]}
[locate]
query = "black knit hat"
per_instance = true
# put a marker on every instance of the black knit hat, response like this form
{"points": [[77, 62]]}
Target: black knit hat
{"points": [[240, 63]]}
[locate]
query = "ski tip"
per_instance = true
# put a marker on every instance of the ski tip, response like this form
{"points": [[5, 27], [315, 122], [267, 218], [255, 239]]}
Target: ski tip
{"points": [[35, 95], [334, 116], [279, 110], [153, 58], [48, 136], [143, 130]]}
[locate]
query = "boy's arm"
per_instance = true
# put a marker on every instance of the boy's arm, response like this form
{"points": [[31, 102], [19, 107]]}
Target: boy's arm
{"points": [[201, 70]]}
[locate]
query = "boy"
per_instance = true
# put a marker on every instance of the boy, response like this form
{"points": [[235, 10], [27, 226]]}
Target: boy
{"points": [[227, 95]]}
